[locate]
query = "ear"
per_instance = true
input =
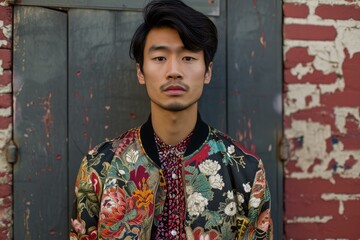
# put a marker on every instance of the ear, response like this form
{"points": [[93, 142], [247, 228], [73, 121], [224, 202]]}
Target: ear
{"points": [[139, 74], [208, 74]]}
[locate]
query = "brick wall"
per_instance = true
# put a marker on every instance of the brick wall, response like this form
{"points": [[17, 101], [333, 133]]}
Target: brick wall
{"points": [[5, 120], [322, 118]]}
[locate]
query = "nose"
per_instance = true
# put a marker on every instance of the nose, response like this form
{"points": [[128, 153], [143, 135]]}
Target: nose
{"points": [[174, 70]]}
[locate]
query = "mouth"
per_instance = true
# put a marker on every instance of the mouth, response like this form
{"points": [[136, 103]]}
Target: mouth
{"points": [[174, 89]]}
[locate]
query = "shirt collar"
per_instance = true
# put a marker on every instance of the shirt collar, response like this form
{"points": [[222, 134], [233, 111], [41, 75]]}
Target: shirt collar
{"points": [[200, 134]]}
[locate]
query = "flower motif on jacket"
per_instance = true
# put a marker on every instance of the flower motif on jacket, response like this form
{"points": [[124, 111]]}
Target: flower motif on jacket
{"points": [[216, 181], [132, 156], [209, 167], [200, 234], [118, 212], [247, 187], [233, 159], [196, 204], [144, 196]]}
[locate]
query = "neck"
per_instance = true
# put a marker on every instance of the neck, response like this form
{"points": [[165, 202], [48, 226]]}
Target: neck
{"points": [[173, 127]]}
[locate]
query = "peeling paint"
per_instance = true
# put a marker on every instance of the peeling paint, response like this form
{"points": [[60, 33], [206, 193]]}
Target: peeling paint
{"points": [[26, 223], [47, 119], [351, 40], [7, 30], [316, 219], [299, 70], [262, 40], [5, 112], [314, 147], [296, 97], [331, 2], [340, 116], [341, 198], [5, 89], [5, 136], [314, 141]]}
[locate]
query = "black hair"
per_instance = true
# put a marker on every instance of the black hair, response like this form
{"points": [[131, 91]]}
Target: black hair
{"points": [[196, 31]]}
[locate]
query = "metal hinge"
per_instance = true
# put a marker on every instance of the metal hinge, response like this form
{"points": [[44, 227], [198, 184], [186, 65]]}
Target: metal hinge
{"points": [[11, 152], [284, 149]]}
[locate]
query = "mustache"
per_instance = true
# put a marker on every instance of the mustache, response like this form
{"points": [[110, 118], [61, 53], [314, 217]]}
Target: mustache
{"points": [[174, 83]]}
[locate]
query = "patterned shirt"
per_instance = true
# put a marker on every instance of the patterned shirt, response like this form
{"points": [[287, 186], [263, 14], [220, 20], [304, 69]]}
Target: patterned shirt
{"points": [[121, 190], [171, 225]]}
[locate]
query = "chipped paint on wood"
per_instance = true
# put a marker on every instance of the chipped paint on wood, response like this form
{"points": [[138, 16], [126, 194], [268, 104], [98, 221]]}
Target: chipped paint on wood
{"points": [[306, 219]]}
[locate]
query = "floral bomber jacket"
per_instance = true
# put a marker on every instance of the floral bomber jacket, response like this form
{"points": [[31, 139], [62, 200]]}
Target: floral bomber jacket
{"points": [[120, 190]]}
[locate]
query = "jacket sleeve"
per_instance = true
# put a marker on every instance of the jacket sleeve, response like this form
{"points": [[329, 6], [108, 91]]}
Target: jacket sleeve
{"points": [[259, 208], [85, 214]]}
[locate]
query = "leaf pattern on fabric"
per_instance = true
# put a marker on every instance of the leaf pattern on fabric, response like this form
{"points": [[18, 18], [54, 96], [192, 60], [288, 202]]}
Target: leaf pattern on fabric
{"points": [[120, 192]]}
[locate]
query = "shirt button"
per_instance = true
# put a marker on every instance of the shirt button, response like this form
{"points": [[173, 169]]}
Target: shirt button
{"points": [[173, 232], [174, 176]]}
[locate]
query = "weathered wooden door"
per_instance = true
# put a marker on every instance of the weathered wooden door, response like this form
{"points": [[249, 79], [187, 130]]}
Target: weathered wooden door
{"points": [[74, 86]]}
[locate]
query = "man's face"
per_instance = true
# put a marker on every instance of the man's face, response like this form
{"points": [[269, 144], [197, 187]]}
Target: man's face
{"points": [[174, 76]]}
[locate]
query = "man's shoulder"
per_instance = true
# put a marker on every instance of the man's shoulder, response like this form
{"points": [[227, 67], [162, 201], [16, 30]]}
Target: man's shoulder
{"points": [[232, 145], [114, 146]]}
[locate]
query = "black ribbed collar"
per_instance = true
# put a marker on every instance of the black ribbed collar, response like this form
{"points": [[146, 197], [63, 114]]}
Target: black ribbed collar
{"points": [[198, 137]]}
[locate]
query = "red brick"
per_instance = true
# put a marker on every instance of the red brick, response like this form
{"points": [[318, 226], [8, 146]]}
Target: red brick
{"points": [[5, 190], [6, 15], [347, 98], [338, 12], [5, 56], [309, 32], [5, 100], [315, 77], [351, 71], [303, 199], [5, 122], [308, 205], [293, 10], [297, 55], [8, 41], [316, 186], [5, 79], [340, 227], [323, 115]]}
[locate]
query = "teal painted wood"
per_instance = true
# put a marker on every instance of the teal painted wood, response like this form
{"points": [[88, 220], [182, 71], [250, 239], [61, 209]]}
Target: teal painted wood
{"points": [[40, 129], [208, 7], [213, 102], [105, 98], [255, 87]]}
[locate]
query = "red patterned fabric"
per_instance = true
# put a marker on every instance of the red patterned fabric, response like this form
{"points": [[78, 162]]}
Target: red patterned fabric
{"points": [[172, 222]]}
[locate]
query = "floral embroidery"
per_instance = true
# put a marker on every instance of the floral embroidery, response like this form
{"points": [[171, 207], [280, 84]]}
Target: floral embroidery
{"points": [[132, 156], [216, 181], [121, 193], [144, 196], [209, 167], [196, 204], [247, 187]]}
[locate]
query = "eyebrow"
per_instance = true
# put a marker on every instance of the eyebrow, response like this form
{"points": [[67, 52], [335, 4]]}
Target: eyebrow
{"points": [[162, 47]]}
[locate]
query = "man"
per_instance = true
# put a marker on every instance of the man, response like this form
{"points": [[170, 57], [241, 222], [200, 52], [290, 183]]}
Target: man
{"points": [[174, 177]]}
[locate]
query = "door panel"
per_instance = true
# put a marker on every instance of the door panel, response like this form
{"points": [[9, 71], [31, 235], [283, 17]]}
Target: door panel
{"points": [[255, 87], [76, 86], [40, 129], [212, 105], [105, 98]]}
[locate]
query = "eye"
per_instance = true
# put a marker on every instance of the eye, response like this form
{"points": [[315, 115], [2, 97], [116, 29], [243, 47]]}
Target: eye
{"points": [[188, 59], [159, 59]]}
